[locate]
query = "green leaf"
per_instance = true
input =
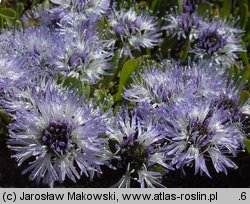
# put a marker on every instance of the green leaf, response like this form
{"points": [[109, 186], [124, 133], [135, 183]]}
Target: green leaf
{"points": [[161, 6], [204, 9], [245, 74], [5, 117], [1, 22], [103, 99], [7, 13], [127, 70], [244, 96], [185, 52], [46, 4], [153, 5], [243, 55], [247, 143], [234, 72], [243, 15], [240, 2], [180, 6], [73, 82], [226, 8], [158, 168], [20, 10], [20, 24]]}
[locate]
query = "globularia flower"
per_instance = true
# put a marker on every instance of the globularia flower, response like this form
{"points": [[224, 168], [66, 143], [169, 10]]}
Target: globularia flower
{"points": [[39, 47], [134, 31], [156, 86], [172, 83], [59, 138], [238, 111], [228, 100], [218, 42], [136, 148], [183, 26], [84, 57], [200, 136], [87, 7]]}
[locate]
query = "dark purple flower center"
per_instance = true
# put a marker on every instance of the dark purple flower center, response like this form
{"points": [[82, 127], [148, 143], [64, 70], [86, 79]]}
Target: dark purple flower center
{"points": [[199, 134], [211, 41], [134, 153], [57, 137], [199, 129], [227, 104]]}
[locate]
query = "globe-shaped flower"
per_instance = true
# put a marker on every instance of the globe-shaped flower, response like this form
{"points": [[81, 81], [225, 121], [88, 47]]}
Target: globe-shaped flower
{"points": [[156, 86], [38, 47], [172, 83], [200, 137], [238, 110], [218, 42], [75, 11], [136, 147], [133, 31], [87, 7], [84, 57], [59, 138], [183, 26]]}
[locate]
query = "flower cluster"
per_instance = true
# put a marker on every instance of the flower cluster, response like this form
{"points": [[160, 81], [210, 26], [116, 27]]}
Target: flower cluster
{"points": [[199, 115]]}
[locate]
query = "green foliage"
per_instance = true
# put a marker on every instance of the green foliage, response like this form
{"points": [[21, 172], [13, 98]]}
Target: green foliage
{"points": [[247, 143], [7, 13], [205, 9], [243, 12], [184, 53], [226, 8], [244, 96], [4, 121], [160, 7], [128, 68]]}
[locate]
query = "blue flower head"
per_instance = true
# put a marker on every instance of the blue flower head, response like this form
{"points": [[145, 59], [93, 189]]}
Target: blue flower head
{"points": [[199, 136], [218, 42], [85, 57], [59, 137], [172, 83], [183, 26], [133, 30], [39, 47], [136, 148]]}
